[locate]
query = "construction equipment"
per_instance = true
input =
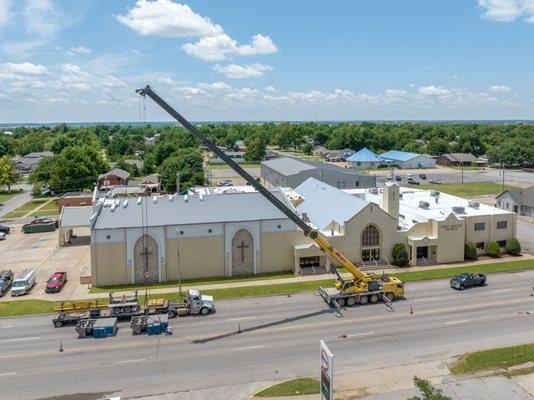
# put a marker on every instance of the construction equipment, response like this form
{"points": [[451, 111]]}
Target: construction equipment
{"points": [[362, 288]]}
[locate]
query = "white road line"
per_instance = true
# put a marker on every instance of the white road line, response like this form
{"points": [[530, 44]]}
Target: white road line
{"points": [[129, 361], [429, 299], [502, 290], [248, 348], [457, 322], [7, 326], [9, 374], [23, 339], [239, 319], [360, 334]]}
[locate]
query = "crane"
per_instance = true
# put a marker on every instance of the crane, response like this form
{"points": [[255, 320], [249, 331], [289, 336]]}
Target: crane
{"points": [[362, 288]]}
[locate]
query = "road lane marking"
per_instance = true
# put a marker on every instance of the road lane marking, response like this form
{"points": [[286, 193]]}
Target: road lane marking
{"points": [[8, 374], [360, 334], [129, 361], [429, 299], [502, 290], [248, 348], [23, 339], [457, 322], [239, 319], [8, 326]]}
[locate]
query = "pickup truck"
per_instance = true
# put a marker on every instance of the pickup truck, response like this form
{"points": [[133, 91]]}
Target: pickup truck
{"points": [[56, 282], [464, 280]]}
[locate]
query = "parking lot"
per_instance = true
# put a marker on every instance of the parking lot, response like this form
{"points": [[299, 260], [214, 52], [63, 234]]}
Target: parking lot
{"points": [[41, 252]]}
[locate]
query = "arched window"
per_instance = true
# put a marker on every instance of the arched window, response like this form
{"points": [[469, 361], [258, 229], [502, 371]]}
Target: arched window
{"points": [[370, 236]]}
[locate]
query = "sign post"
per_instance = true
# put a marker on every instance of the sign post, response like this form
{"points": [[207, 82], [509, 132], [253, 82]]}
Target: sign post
{"points": [[327, 373]]}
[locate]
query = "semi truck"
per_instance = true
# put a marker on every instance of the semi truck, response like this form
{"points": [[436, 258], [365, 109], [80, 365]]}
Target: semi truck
{"points": [[361, 288]]}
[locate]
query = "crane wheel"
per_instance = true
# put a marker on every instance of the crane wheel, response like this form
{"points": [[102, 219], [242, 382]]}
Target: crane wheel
{"points": [[374, 298], [364, 300], [351, 301], [340, 302]]}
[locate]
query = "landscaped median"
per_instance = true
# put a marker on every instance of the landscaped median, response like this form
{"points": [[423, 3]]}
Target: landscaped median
{"points": [[28, 307], [294, 387]]}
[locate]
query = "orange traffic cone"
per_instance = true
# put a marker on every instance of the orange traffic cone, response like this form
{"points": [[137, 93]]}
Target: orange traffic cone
{"points": [[411, 309], [238, 328], [60, 346]]}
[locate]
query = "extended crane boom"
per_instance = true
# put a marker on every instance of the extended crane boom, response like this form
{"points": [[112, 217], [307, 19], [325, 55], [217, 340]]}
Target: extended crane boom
{"points": [[361, 280]]}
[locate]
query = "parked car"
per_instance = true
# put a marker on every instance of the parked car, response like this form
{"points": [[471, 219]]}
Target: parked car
{"points": [[56, 282], [226, 182], [2, 236], [422, 176], [412, 181], [435, 181], [464, 280], [4, 229], [6, 278], [24, 282], [398, 178]]}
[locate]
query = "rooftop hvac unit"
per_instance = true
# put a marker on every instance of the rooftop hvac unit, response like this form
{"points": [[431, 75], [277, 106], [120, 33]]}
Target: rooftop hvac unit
{"points": [[458, 210], [434, 193], [125, 204], [424, 205], [473, 204], [113, 206], [400, 196], [139, 200], [154, 199], [186, 198], [373, 190]]}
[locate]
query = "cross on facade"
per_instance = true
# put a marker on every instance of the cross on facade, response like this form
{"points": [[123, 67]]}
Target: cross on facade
{"points": [[145, 255], [242, 246]]}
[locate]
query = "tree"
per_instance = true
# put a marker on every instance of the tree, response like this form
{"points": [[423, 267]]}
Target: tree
{"points": [[428, 392], [255, 150], [44, 170], [7, 145], [7, 173], [307, 149], [400, 255], [493, 249], [188, 163], [513, 246], [470, 251]]}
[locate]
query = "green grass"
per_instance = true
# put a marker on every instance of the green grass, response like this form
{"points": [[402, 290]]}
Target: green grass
{"points": [[189, 282], [466, 167], [19, 307], [5, 195], [49, 209], [467, 189], [503, 357], [295, 387]]}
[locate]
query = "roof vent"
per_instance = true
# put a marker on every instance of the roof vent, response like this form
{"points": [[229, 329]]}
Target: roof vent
{"points": [[186, 198], [424, 205], [117, 202], [170, 197], [201, 197], [125, 204], [373, 190], [473, 204], [434, 193], [154, 199], [113, 207], [458, 210], [400, 195], [139, 200]]}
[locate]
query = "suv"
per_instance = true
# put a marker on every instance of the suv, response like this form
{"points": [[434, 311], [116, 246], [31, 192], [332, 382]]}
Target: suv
{"points": [[24, 282], [6, 278], [464, 280], [4, 229]]}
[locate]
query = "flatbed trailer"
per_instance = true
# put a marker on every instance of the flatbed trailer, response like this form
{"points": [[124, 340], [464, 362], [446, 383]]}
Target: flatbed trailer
{"points": [[338, 299]]}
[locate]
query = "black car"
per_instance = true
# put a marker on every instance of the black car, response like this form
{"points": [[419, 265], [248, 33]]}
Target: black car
{"points": [[6, 278], [422, 176], [412, 181], [398, 178], [464, 280], [4, 229]]}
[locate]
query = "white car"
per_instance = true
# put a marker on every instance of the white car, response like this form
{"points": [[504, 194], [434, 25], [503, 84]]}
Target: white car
{"points": [[2, 236]]}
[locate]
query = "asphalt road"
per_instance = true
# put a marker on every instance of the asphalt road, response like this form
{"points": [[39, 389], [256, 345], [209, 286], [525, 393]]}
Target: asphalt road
{"points": [[279, 340]]}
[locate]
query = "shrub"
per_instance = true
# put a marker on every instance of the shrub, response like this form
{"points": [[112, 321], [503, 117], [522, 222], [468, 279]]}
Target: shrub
{"points": [[513, 247], [37, 190], [470, 251], [493, 249], [400, 255], [307, 149]]}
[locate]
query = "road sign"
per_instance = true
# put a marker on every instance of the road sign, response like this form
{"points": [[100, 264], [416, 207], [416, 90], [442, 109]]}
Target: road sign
{"points": [[327, 373]]}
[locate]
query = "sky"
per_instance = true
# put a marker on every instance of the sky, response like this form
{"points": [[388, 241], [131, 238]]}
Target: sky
{"points": [[81, 60]]}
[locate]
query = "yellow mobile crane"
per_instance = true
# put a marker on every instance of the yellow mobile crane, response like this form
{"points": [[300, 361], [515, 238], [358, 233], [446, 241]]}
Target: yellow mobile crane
{"points": [[362, 288]]}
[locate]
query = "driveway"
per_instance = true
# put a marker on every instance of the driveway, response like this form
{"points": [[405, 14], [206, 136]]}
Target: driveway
{"points": [[15, 202], [525, 235]]}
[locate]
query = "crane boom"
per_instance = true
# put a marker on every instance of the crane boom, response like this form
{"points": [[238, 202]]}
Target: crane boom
{"points": [[313, 234]]}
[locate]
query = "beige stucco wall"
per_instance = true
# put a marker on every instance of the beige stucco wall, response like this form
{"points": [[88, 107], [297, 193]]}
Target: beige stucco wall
{"points": [[200, 257], [277, 250], [108, 264], [490, 232]]}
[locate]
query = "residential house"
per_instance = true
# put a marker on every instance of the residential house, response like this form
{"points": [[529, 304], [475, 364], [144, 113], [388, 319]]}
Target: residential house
{"points": [[520, 201], [114, 177], [457, 159]]}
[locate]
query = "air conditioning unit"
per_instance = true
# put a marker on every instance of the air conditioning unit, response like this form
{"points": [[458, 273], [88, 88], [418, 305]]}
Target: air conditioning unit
{"points": [[434, 193], [373, 190], [458, 210], [424, 205], [473, 204]]}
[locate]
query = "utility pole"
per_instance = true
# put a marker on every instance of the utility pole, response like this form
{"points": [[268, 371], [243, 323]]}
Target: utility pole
{"points": [[462, 164]]}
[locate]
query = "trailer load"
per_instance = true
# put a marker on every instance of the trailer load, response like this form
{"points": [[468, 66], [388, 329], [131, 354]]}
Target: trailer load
{"points": [[97, 328], [150, 324]]}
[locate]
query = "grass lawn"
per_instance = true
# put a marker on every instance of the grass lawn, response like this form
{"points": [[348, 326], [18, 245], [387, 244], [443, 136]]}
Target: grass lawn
{"points": [[466, 167], [49, 209], [5, 195], [12, 308], [197, 282], [295, 387], [470, 189], [494, 359]]}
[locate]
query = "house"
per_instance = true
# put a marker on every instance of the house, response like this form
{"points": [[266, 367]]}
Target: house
{"points": [[270, 154], [457, 159], [520, 201], [240, 146], [364, 158], [408, 160], [291, 172], [75, 199], [237, 156], [338, 155], [28, 162], [319, 151], [114, 177], [151, 183]]}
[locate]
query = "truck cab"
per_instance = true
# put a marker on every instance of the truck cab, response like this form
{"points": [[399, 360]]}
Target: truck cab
{"points": [[199, 303]]}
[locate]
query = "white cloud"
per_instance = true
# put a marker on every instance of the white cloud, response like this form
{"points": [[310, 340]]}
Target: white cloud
{"points": [[80, 50], [42, 18], [433, 91], [499, 89], [507, 10], [6, 15], [169, 19], [166, 18], [25, 68], [242, 71], [455, 76], [270, 89], [71, 68]]}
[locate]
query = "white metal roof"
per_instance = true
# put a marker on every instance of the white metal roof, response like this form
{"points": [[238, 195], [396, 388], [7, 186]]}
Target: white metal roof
{"points": [[73, 217], [287, 166]]}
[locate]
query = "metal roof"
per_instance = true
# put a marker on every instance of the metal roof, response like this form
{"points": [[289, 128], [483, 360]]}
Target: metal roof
{"points": [[324, 203], [365, 155], [182, 210], [287, 166], [398, 155], [73, 217]]}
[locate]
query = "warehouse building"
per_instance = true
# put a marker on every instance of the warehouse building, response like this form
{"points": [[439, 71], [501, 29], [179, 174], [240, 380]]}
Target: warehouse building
{"points": [[408, 160], [291, 172], [364, 158]]}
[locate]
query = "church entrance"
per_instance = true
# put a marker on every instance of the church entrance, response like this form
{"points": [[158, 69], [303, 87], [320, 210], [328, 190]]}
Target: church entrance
{"points": [[242, 253], [146, 260]]}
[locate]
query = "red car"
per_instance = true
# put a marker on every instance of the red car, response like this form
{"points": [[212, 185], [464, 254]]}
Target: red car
{"points": [[56, 282]]}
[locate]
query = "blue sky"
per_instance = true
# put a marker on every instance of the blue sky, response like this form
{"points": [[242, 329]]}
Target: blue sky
{"points": [[80, 60]]}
